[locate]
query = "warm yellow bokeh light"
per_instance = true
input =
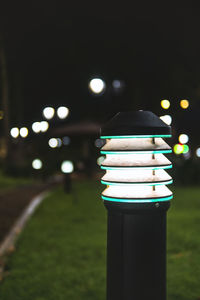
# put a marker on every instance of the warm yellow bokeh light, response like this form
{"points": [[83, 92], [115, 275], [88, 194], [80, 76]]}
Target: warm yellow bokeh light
{"points": [[184, 103], [1, 114], [165, 104]]}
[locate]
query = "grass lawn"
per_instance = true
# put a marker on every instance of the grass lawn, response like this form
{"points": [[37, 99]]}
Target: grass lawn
{"points": [[7, 182], [61, 253]]}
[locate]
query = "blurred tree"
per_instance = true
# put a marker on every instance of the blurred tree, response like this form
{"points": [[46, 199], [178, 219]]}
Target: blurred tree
{"points": [[5, 98]]}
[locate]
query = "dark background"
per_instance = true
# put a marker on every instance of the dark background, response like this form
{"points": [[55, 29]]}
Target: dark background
{"points": [[54, 49]]}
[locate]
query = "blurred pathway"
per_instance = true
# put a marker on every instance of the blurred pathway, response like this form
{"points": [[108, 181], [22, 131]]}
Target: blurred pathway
{"points": [[13, 202]]}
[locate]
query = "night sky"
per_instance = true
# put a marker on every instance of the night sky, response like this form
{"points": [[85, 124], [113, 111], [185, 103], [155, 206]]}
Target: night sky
{"points": [[53, 51]]}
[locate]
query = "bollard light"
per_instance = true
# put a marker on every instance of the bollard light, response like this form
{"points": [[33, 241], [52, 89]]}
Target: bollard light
{"points": [[137, 198]]}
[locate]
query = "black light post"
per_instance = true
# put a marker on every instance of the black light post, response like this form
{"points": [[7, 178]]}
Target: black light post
{"points": [[137, 199]]}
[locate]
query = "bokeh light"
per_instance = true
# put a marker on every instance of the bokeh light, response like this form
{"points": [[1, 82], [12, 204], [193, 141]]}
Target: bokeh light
{"points": [[44, 126], [97, 86], [53, 143], [1, 114], [66, 140], [165, 104], [198, 152], [67, 166], [100, 159], [99, 142], [167, 119], [23, 132], [14, 132], [116, 84], [59, 142], [178, 149], [62, 112], [36, 127], [183, 138], [184, 104], [186, 149], [48, 112], [37, 164]]}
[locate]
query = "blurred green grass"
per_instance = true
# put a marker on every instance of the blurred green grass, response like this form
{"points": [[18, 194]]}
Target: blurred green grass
{"points": [[62, 252], [8, 182]]}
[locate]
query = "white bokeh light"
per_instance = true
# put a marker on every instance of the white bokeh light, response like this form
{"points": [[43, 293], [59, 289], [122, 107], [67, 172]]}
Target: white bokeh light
{"points": [[23, 132], [117, 84], [67, 166], [53, 143], [100, 159], [44, 126], [97, 85], [62, 112], [36, 127], [14, 132], [59, 142], [183, 138], [198, 152], [167, 119], [66, 140], [37, 164], [48, 112]]}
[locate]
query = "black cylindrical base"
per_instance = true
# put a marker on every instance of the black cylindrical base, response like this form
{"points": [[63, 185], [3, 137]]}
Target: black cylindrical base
{"points": [[136, 254]]}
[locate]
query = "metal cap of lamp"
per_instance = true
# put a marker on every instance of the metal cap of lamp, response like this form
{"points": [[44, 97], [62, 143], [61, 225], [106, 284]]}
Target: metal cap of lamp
{"points": [[137, 199]]}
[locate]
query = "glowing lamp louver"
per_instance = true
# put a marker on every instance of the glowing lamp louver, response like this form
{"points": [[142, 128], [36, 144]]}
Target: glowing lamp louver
{"points": [[135, 162]]}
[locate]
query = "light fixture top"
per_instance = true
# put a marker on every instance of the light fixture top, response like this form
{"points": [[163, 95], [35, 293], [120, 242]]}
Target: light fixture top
{"points": [[135, 123]]}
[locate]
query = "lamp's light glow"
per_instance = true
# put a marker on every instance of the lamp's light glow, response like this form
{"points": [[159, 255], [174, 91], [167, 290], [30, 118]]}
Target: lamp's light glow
{"points": [[183, 138], [144, 168], [136, 192], [48, 112], [139, 152], [184, 104], [23, 132], [167, 119], [198, 152], [143, 184], [44, 126], [62, 112], [137, 200], [135, 136], [138, 145], [37, 164], [136, 160], [178, 149], [135, 164], [165, 104], [67, 166], [97, 86], [14, 132], [136, 176]]}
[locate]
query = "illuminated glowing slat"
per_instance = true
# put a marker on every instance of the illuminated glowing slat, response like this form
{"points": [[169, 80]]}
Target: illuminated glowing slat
{"points": [[136, 160], [140, 144], [136, 183], [144, 168], [136, 136], [136, 151], [137, 176], [136, 192], [137, 200]]}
